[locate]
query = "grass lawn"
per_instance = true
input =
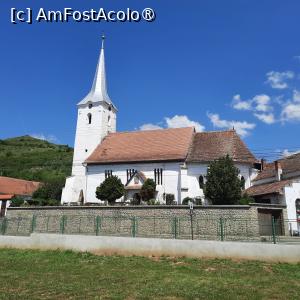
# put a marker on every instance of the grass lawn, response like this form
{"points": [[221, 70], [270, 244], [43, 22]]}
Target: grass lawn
{"points": [[69, 275]]}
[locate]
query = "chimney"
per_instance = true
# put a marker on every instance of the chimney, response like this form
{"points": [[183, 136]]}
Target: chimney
{"points": [[262, 164], [278, 170]]}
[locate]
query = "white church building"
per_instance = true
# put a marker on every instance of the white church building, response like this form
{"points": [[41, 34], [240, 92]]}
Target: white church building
{"points": [[176, 159]]}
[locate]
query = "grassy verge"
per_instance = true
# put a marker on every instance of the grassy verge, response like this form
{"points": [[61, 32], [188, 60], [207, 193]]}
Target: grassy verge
{"points": [[69, 275]]}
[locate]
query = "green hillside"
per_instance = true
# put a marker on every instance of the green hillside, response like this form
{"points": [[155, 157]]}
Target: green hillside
{"points": [[29, 158]]}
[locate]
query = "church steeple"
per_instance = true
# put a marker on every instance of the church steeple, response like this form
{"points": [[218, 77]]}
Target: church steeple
{"points": [[98, 92]]}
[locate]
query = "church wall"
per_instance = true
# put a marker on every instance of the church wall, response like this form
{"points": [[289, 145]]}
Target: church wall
{"points": [[170, 185], [182, 182], [194, 170]]}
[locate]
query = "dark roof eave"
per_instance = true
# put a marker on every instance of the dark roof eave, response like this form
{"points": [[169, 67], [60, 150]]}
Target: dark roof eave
{"points": [[264, 194], [134, 161], [208, 161]]}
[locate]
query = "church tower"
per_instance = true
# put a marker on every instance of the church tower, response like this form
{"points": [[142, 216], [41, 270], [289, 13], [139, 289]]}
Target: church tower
{"points": [[96, 117]]}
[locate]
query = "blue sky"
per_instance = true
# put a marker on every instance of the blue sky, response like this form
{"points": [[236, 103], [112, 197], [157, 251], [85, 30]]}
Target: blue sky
{"points": [[215, 64]]}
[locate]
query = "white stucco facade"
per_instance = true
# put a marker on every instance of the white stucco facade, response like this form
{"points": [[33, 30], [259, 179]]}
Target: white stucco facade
{"points": [[291, 195], [179, 179]]}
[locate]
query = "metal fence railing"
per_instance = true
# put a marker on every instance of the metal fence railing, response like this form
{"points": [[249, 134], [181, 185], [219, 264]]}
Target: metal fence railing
{"points": [[174, 227]]}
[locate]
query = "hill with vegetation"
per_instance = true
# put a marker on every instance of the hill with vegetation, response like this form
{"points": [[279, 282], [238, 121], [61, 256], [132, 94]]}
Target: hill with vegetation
{"points": [[29, 158]]}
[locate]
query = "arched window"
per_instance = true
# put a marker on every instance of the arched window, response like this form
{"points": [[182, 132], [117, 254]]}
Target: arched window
{"points": [[89, 118], [109, 121], [243, 182], [201, 181]]}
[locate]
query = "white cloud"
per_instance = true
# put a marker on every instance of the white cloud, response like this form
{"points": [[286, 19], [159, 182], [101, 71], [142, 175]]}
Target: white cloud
{"points": [[183, 121], [262, 103], [50, 138], [286, 152], [278, 80], [266, 118], [242, 128], [296, 96], [239, 104], [291, 112], [175, 122], [149, 126]]}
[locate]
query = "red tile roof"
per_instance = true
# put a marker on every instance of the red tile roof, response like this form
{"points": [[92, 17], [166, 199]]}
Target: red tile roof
{"points": [[6, 197], [17, 186], [268, 188], [143, 146], [289, 165], [208, 146]]}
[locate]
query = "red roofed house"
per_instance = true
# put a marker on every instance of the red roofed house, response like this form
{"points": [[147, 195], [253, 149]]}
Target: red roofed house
{"points": [[177, 158], [279, 183], [10, 187]]}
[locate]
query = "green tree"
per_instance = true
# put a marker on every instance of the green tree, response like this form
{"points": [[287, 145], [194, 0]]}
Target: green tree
{"points": [[148, 190], [223, 186], [110, 189], [49, 193]]}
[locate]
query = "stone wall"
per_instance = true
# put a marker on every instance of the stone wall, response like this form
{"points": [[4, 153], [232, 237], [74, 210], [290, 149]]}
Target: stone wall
{"points": [[207, 222]]}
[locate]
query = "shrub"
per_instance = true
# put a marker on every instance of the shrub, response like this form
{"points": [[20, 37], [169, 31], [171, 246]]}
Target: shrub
{"points": [[246, 199], [148, 190], [186, 200], [110, 189], [170, 199], [153, 202], [17, 202], [198, 201]]}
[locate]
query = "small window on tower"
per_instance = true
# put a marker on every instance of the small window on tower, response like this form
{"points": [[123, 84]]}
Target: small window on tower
{"points": [[90, 118], [90, 105], [109, 108]]}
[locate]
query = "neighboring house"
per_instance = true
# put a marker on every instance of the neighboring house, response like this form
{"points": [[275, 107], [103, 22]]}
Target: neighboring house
{"points": [[279, 183], [10, 187], [176, 159]]}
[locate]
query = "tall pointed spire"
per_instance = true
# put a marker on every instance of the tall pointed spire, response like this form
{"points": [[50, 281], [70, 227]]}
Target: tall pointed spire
{"points": [[98, 92]]}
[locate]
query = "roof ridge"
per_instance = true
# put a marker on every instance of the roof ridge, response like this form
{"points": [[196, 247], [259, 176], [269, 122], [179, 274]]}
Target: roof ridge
{"points": [[152, 130], [215, 131]]}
